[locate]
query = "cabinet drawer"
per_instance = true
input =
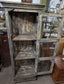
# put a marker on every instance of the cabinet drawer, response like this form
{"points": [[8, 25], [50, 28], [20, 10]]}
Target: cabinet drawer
{"points": [[61, 74], [60, 78]]}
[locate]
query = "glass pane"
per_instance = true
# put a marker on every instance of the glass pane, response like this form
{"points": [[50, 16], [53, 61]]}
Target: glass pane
{"points": [[47, 49], [2, 18], [50, 27], [44, 66]]}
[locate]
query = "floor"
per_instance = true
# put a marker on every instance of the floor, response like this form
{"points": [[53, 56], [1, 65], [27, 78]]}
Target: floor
{"points": [[6, 78]]}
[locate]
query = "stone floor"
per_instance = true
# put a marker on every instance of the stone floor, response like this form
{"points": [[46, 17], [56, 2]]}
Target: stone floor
{"points": [[6, 78]]}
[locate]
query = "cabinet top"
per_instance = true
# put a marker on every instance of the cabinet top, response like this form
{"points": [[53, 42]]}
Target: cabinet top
{"points": [[22, 5]]}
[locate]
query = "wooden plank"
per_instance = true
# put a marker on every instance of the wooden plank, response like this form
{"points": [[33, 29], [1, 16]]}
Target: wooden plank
{"points": [[48, 40], [37, 53], [56, 48], [48, 30], [38, 27], [15, 3], [25, 55], [22, 5], [60, 28], [23, 10], [8, 23], [24, 37], [51, 15], [52, 65], [43, 73], [45, 58], [36, 64]]}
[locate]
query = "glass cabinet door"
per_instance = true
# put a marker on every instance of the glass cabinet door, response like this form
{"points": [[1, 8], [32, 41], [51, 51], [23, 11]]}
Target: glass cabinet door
{"points": [[50, 25]]}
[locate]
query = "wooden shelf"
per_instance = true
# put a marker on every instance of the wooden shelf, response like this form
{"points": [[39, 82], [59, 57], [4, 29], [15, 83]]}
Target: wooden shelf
{"points": [[24, 37], [48, 30], [25, 71], [46, 48], [49, 40], [3, 28], [46, 22], [25, 55]]}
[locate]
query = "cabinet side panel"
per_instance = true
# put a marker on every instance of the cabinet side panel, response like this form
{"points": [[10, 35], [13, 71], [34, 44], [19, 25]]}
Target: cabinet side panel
{"points": [[8, 23]]}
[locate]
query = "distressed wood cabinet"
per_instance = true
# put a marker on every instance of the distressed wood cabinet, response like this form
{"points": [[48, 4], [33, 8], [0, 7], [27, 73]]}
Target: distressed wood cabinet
{"points": [[32, 52], [58, 72]]}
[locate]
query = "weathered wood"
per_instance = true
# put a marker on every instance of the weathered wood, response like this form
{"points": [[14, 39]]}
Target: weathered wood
{"points": [[52, 65], [24, 22], [8, 22], [60, 27], [51, 15], [43, 73], [45, 58], [25, 55], [25, 71], [22, 5], [56, 48], [38, 26], [24, 37], [49, 40], [23, 10]]}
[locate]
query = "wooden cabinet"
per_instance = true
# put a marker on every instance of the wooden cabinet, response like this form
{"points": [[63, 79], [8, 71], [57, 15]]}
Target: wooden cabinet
{"points": [[29, 38], [4, 51], [58, 73]]}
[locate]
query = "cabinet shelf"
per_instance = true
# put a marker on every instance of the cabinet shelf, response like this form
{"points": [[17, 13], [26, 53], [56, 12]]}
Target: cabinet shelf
{"points": [[25, 55], [3, 28], [48, 30], [24, 37], [25, 71]]}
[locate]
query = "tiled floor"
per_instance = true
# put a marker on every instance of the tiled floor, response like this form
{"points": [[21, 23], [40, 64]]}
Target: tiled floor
{"points": [[6, 78]]}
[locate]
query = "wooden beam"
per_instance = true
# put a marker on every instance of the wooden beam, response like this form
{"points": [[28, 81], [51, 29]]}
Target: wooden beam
{"points": [[48, 40], [51, 15]]}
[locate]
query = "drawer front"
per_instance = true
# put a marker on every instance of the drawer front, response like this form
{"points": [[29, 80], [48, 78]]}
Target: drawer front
{"points": [[60, 78], [61, 73]]}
